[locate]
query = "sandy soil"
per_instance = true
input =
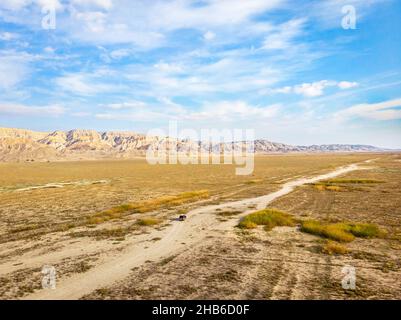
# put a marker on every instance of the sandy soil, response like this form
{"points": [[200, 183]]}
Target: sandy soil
{"points": [[284, 263], [176, 238]]}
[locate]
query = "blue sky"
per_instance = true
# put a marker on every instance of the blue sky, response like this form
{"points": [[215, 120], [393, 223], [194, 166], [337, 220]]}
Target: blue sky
{"points": [[287, 69]]}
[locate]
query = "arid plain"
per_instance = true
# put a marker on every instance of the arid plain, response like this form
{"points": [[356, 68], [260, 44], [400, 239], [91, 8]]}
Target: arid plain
{"points": [[109, 228]]}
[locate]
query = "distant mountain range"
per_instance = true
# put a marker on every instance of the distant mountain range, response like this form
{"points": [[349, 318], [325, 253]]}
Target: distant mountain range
{"points": [[26, 145]]}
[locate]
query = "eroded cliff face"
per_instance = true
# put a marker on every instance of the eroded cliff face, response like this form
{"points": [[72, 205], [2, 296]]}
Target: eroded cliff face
{"points": [[27, 145]]}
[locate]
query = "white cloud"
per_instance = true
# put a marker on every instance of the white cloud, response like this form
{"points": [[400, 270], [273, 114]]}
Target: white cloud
{"points": [[168, 110], [104, 4], [286, 89], [120, 53], [126, 105], [182, 14], [232, 111], [14, 4], [49, 50], [283, 35], [347, 85], [329, 13], [14, 68], [387, 110], [76, 83], [50, 4], [7, 36], [94, 21], [189, 77], [23, 110], [87, 84], [313, 89], [168, 67], [147, 24], [17, 5], [81, 114], [209, 36]]}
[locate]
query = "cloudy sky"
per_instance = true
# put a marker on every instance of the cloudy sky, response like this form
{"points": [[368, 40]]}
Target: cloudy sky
{"points": [[286, 68]]}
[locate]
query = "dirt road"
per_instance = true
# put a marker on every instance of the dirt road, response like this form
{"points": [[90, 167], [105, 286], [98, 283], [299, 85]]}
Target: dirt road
{"points": [[175, 238]]}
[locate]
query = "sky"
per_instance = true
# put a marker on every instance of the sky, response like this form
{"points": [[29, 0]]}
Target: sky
{"points": [[298, 72]]}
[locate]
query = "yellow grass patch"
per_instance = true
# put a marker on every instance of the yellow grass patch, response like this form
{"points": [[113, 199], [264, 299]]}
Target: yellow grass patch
{"points": [[147, 206], [269, 218], [324, 187], [332, 247], [351, 181], [170, 201], [332, 185], [148, 221], [342, 232]]}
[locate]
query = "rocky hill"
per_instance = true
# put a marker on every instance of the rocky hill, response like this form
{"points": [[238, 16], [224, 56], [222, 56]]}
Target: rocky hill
{"points": [[26, 145]]}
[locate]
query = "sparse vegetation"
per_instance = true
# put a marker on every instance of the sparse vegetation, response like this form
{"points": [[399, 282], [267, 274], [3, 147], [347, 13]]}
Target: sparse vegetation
{"points": [[332, 247], [170, 201], [336, 184], [25, 228], [82, 266], [166, 260], [102, 234], [254, 181], [269, 218], [342, 232], [351, 181], [34, 214], [323, 187], [365, 230], [228, 213], [330, 231], [104, 216], [120, 211], [148, 221]]}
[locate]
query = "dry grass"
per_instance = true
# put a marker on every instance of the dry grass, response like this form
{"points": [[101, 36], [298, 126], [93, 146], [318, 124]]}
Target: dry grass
{"points": [[106, 215], [101, 234], [25, 228], [228, 213], [332, 247], [148, 221], [31, 214], [365, 230], [269, 218], [378, 203], [129, 184], [337, 185], [333, 231], [254, 181], [146, 206], [169, 201], [351, 181], [322, 187]]}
